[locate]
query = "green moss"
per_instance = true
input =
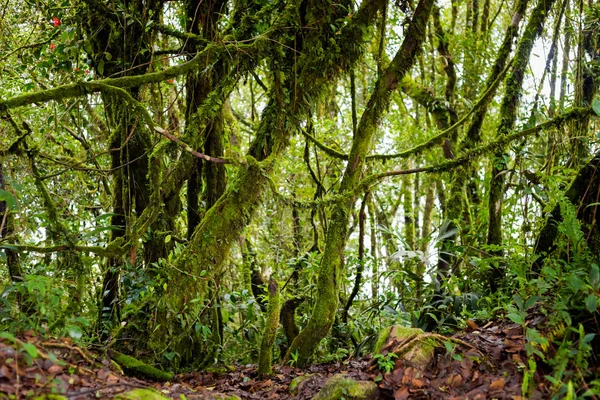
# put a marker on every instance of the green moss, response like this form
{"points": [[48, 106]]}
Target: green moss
{"points": [[295, 383], [50, 397], [141, 394], [341, 387], [266, 347], [415, 347], [138, 368], [381, 340]]}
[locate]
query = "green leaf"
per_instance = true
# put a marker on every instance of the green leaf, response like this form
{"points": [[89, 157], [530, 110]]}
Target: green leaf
{"points": [[30, 349], [9, 198], [591, 303], [8, 336], [516, 318], [596, 106], [518, 301], [589, 337], [75, 332], [595, 276], [100, 67], [52, 357]]}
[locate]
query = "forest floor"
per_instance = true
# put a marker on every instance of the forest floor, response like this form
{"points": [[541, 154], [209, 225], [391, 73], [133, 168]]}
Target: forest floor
{"points": [[490, 367]]}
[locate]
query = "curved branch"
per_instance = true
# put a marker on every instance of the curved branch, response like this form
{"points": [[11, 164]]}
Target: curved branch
{"points": [[206, 57], [24, 248]]}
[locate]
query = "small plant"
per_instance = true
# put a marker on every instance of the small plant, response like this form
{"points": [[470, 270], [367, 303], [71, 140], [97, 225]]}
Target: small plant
{"points": [[293, 358], [386, 362]]}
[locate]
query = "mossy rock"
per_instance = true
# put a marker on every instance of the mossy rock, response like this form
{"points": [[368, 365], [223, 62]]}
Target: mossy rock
{"points": [[414, 346], [297, 381], [221, 396], [342, 387], [135, 367], [141, 394]]}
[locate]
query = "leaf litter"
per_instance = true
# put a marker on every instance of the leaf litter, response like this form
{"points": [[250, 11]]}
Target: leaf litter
{"points": [[488, 368]]}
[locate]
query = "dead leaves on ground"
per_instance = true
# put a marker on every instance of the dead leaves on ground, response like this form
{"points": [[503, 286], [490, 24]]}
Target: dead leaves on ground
{"points": [[485, 363]]}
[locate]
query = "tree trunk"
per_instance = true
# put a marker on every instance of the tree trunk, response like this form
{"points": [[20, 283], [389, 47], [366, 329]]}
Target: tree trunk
{"points": [[326, 304]]}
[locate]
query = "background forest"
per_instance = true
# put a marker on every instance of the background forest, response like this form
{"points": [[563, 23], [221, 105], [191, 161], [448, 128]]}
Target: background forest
{"points": [[185, 180]]}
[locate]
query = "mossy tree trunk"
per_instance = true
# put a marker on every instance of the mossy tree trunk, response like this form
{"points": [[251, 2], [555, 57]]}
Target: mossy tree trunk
{"points": [[465, 176], [15, 271], [325, 308], [584, 194], [223, 223], [265, 357], [508, 117], [116, 52]]}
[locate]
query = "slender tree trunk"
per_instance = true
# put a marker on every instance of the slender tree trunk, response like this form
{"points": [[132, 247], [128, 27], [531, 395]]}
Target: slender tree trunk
{"points": [[326, 304], [508, 116]]}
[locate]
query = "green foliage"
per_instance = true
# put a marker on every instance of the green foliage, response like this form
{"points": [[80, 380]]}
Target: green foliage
{"points": [[385, 362]]}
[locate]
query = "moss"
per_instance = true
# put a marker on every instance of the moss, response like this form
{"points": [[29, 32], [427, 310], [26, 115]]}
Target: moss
{"points": [[341, 387], [325, 309], [412, 345], [266, 347], [141, 394], [297, 381], [136, 367], [50, 397], [381, 340]]}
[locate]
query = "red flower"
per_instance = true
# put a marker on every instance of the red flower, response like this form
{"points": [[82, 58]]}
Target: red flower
{"points": [[56, 22], [87, 71], [52, 46], [171, 81]]}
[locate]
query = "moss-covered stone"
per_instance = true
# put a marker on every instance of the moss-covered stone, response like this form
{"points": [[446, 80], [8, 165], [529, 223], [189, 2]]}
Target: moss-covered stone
{"points": [[297, 381], [412, 345], [141, 394], [138, 368], [342, 387], [221, 396]]}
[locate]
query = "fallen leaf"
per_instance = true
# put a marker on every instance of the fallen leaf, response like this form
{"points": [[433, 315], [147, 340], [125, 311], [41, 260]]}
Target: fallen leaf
{"points": [[497, 384], [55, 369], [401, 394]]}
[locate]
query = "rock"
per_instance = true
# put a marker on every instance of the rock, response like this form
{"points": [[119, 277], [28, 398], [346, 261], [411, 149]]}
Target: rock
{"points": [[141, 394], [297, 381], [412, 345], [342, 387]]}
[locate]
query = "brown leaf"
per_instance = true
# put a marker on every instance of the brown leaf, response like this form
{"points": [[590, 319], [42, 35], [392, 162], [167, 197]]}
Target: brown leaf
{"points": [[55, 369], [454, 380], [497, 384], [401, 394], [472, 325], [417, 383]]}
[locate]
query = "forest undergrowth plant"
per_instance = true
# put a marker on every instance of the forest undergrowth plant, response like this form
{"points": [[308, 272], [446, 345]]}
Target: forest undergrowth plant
{"points": [[46, 297], [567, 289]]}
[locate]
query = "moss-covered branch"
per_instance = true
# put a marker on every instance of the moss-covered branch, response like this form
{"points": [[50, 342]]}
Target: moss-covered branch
{"points": [[202, 60], [439, 138], [468, 157], [27, 248]]}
